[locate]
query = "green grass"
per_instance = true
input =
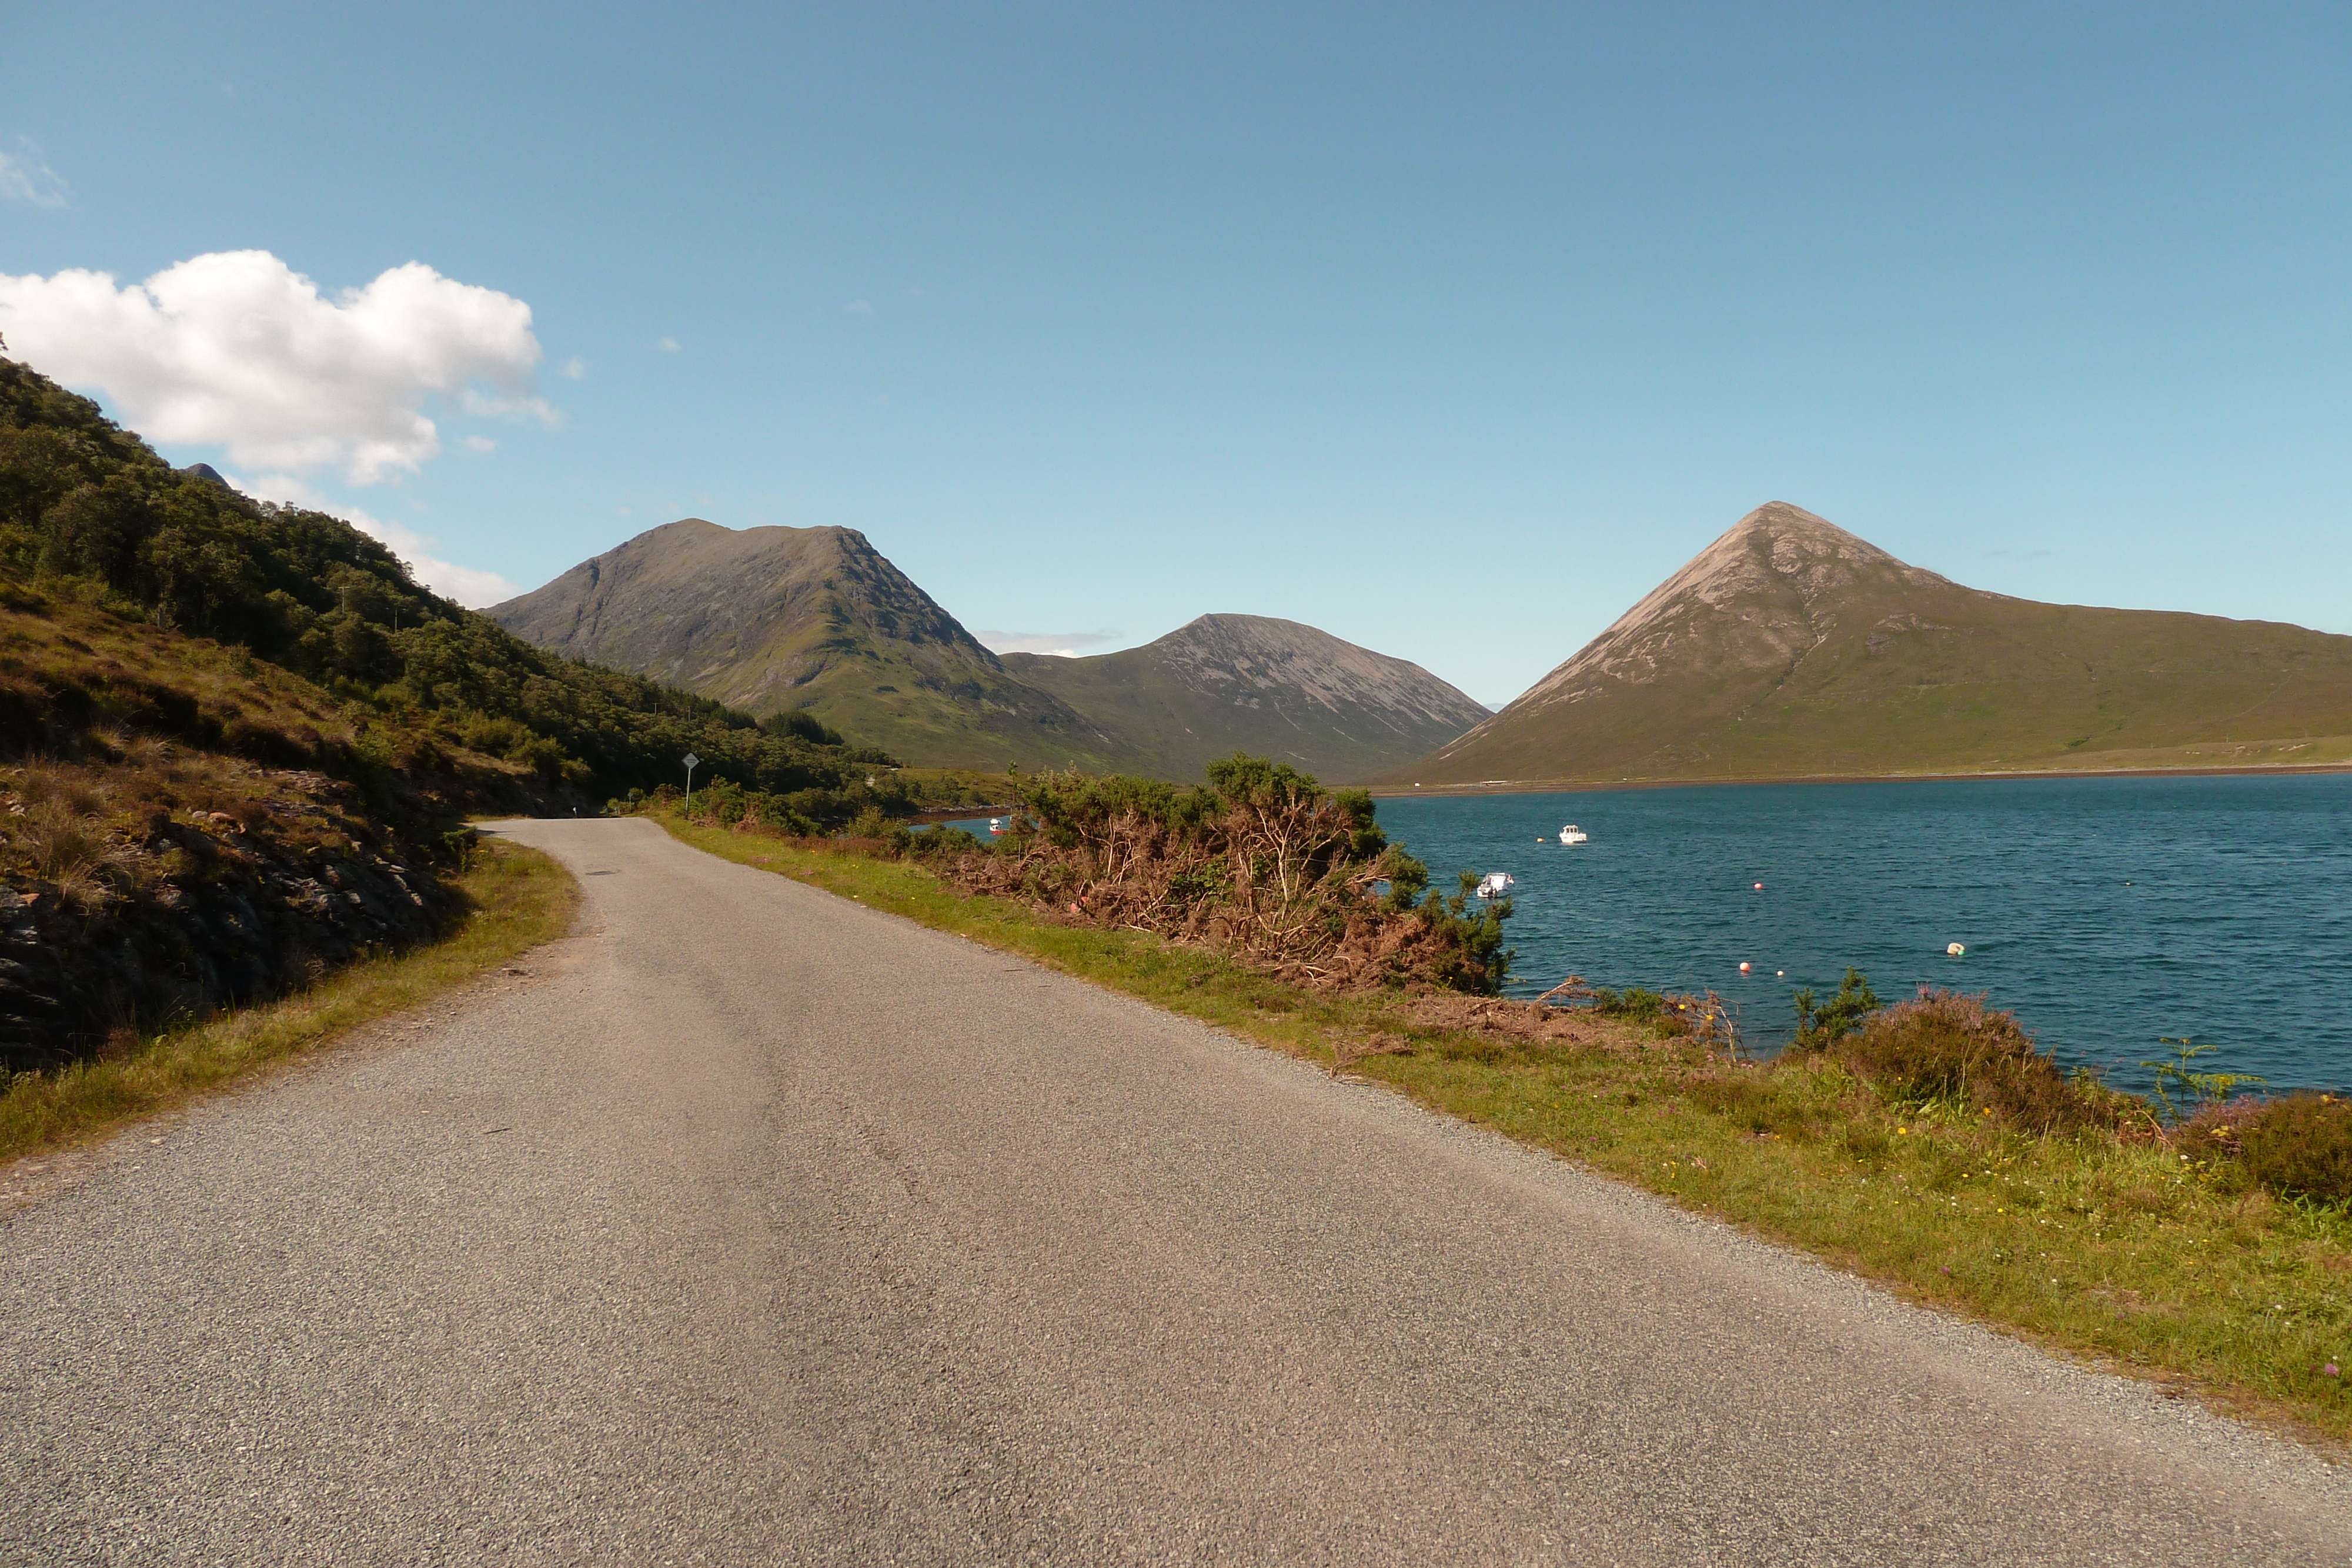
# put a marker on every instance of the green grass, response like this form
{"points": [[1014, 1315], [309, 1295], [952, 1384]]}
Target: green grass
{"points": [[2117, 1252], [517, 897]]}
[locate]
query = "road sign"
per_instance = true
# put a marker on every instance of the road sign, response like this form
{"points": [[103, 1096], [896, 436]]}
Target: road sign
{"points": [[692, 762]]}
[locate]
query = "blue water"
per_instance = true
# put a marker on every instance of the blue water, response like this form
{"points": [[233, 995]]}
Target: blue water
{"points": [[2104, 912]]}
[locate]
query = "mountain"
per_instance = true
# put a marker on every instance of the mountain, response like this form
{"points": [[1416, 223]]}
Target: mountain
{"points": [[1273, 688], [1790, 648], [779, 619], [236, 740]]}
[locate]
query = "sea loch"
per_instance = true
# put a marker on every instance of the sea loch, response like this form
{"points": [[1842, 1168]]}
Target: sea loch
{"points": [[2106, 912]]}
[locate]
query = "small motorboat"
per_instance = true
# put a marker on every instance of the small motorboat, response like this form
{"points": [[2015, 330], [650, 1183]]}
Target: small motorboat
{"points": [[1573, 834], [996, 824], [1495, 885]]}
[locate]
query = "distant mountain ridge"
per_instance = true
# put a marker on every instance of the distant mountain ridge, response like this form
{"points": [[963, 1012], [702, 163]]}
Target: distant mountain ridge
{"points": [[1273, 688], [777, 619], [1790, 648]]}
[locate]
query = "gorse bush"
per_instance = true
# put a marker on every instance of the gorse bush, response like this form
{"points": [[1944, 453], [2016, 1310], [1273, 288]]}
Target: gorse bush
{"points": [[1945, 1047], [1825, 1023], [1260, 860], [2296, 1144]]}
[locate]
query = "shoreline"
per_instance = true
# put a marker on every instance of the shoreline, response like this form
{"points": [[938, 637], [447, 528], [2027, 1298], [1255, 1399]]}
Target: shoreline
{"points": [[2135, 1268], [1584, 787]]}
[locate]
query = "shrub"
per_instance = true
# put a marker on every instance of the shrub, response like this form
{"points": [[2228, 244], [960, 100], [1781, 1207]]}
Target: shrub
{"points": [[1261, 861], [2298, 1145], [1945, 1046], [1831, 1021]]}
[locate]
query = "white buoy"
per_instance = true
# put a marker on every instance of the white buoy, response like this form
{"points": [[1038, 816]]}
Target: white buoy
{"points": [[1956, 949], [1779, 974], [1760, 887]]}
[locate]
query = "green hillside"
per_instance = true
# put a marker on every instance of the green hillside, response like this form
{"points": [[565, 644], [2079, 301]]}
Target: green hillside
{"points": [[236, 738], [1790, 648]]}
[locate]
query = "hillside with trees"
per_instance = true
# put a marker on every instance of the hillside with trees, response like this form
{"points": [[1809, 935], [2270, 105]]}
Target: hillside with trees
{"points": [[237, 738]]}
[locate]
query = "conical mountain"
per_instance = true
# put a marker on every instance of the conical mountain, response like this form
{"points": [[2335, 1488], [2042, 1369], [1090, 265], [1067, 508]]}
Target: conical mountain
{"points": [[1790, 648], [776, 619], [1273, 688]]}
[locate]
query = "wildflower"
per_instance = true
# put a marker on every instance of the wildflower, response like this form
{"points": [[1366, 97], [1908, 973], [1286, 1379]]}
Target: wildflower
{"points": [[1902, 1132], [2330, 1370]]}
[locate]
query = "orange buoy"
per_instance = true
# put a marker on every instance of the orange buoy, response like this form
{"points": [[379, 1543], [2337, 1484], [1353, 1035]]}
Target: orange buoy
{"points": [[1743, 969], [1760, 887]]}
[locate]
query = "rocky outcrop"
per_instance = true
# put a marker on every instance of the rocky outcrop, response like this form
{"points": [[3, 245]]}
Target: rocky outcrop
{"points": [[204, 910]]}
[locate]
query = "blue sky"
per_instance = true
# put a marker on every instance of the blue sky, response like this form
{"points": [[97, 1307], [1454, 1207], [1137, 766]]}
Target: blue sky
{"points": [[1451, 335]]}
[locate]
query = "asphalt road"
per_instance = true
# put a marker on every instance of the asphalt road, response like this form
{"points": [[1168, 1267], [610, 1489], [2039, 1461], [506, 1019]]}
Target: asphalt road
{"points": [[754, 1226]]}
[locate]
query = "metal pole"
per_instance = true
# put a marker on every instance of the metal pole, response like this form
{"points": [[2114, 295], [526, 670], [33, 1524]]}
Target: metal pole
{"points": [[690, 759]]}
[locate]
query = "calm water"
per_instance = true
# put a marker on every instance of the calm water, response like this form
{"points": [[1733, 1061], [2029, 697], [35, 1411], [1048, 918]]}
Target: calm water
{"points": [[2104, 912]]}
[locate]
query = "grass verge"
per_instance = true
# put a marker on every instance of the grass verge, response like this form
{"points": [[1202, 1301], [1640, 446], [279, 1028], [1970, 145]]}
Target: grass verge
{"points": [[2120, 1253], [515, 898]]}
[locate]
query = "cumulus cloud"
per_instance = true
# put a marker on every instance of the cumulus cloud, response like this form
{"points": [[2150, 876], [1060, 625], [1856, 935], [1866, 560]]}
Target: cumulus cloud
{"points": [[1061, 644], [26, 176], [469, 587], [236, 350]]}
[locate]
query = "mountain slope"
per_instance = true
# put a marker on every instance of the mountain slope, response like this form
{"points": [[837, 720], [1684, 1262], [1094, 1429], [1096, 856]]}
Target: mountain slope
{"points": [[779, 619], [236, 738], [1272, 688], [1790, 648]]}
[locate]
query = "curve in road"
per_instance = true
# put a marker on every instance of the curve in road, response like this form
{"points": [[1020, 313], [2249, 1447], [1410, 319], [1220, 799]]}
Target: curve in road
{"points": [[754, 1225]]}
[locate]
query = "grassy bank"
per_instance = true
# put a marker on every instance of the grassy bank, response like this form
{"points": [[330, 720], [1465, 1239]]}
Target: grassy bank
{"points": [[2116, 1250], [515, 898]]}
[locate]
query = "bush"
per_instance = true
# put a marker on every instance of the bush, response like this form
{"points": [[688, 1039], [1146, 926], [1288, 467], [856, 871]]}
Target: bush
{"points": [[2298, 1145], [1948, 1046], [1831, 1021], [1261, 861]]}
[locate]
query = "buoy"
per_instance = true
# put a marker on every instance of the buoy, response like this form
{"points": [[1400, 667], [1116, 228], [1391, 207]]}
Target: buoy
{"points": [[1743, 969], [1779, 974], [1760, 887], [1956, 949]]}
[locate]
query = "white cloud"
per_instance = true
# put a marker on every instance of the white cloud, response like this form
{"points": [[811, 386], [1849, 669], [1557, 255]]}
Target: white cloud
{"points": [[469, 587], [858, 307], [666, 345], [26, 176], [480, 443], [234, 349], [577, 368], [1061, 644]]}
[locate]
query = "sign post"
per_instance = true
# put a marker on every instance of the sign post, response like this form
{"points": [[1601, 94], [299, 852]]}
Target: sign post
{"points": [[692, 762]]}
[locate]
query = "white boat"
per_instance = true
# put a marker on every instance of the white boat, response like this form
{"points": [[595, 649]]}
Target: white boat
{"points": [[995, 824], [1573, 834], [1495, 885]]}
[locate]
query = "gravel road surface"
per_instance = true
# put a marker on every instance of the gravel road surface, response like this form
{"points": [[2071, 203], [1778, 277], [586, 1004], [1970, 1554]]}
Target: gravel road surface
{"points": [[750, 1226]]}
